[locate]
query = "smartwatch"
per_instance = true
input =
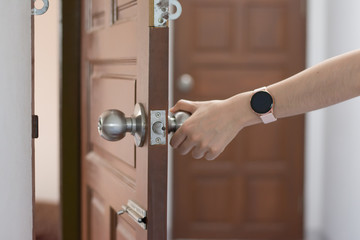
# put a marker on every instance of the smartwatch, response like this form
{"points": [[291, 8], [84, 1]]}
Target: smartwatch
{"points": [[262, 103]]}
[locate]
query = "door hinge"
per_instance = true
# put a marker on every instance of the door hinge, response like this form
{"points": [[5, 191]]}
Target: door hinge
{"points": [[135, 212], [35, 126], [41, 11], [162, 12]]}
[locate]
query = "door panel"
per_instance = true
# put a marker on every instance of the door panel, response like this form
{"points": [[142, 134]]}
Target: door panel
{"points": [[123, 230], [254, 190], [123, 58], [114, 93]]}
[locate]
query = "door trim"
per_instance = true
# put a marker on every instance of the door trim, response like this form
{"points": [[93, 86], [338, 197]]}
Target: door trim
{"points": [[70, 121]]}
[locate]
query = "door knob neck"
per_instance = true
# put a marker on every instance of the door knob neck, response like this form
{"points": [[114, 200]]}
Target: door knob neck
{"points": [[176, 121]]}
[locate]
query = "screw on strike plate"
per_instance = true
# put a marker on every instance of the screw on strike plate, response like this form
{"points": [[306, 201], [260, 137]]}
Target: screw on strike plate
{"points": [[158, 140], [157, 114]]}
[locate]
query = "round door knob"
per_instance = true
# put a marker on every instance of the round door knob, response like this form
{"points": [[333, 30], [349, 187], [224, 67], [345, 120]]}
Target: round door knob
{"points": [[113, 125], [177, 120], [185, 83]]}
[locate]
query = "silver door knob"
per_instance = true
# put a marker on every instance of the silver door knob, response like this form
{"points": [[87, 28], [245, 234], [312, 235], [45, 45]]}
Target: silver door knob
{"points": [[177, 120], [113, 125], [185, 83]]}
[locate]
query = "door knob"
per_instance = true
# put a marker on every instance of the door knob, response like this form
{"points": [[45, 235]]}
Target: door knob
{"points": [[113, 125], [177, 121], [185, 83]]}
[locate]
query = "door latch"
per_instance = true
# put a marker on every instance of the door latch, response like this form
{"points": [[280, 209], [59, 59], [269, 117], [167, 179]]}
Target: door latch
{"points": [[35, 126], [158, 120], [135, 212], [41, 11], [162, 12], [113, 125]]}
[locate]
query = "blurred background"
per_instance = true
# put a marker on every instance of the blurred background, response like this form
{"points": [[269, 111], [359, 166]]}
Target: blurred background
{"points": [[295, 179]]}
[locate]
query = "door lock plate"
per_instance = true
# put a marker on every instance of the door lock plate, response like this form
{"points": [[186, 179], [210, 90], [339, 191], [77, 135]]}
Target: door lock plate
{"points": [[135, 212], [158, 132]]}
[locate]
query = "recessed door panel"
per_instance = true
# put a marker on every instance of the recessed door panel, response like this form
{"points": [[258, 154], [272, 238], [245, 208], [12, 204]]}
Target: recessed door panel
{"points": [[122, 58], [254, 190]]}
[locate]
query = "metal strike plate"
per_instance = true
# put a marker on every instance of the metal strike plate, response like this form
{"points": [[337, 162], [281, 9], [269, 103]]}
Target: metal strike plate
{"points": [[41, 11], [158, 132], [135, 212]]}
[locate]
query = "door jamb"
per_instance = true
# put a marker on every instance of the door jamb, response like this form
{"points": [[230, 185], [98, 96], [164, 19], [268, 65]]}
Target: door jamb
{"points": [[70, 121]]}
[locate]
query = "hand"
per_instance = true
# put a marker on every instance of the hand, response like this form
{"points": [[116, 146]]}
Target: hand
{"points": [[211, 127]]}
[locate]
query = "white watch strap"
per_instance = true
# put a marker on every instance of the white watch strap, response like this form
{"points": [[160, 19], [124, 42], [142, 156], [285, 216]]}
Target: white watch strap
{"points": [[268, 118]]}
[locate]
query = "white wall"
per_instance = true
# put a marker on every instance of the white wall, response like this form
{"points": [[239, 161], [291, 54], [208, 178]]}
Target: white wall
{"points": [[314, 131], [332, 159], [47, 64], [341, 216], [15, 121]]}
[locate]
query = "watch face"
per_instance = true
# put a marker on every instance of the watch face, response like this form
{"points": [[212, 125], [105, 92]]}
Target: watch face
{"points": [[261, 102]]}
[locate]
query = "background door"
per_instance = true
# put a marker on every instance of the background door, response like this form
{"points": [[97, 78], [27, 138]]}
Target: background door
{"points": [[124, 61], [254, 190]]}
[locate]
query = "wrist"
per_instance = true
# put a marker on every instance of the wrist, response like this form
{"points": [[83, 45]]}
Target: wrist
{"points": [[243, 114]]}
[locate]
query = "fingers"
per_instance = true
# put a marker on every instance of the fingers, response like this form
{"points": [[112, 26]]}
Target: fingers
{"points": [[186, 146], [199, 152], [178, 138], [211, 156], [184, 105]]}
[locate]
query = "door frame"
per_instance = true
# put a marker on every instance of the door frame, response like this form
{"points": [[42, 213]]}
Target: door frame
{"points": [[70, 121], [16, 94]]}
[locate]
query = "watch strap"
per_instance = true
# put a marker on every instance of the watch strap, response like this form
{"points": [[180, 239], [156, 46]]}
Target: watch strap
{"points": [[269, 116]]}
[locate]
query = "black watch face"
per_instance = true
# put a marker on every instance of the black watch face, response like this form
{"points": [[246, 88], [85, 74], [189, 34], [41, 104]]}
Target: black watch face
{"points": [[261, 102]]}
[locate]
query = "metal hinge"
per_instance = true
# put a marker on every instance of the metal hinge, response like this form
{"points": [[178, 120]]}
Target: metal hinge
{"points": [[162, 12], [35, 126], [41, 11], [135, 212]]}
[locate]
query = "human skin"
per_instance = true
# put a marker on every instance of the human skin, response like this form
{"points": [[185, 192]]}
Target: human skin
{"points": [[214, 124]]}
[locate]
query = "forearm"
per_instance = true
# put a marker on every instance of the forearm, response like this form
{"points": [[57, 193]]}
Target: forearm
{"points": [[207, 134], [331, 82], [328, 83]]}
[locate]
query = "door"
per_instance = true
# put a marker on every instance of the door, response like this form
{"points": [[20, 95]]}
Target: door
{"points": [[254, 190], [124, 62]]}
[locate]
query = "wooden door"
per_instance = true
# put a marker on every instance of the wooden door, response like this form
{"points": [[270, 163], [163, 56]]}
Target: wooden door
{"points": [[124, 61], [254, 190]]}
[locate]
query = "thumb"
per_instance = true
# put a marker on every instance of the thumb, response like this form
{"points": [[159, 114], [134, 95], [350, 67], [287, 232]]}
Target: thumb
{"points": [[184, 105]]}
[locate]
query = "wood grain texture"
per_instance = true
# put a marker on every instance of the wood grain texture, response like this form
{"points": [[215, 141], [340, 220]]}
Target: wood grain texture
{"points": [[123, 62], [254, 190]]}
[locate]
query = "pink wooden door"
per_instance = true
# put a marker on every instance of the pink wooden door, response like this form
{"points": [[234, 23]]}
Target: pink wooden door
{"points": [[124, 62]]}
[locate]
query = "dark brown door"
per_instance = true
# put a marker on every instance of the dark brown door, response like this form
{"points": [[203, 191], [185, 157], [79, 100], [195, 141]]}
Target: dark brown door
{"points": [[124, 61], [254, 190]]}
